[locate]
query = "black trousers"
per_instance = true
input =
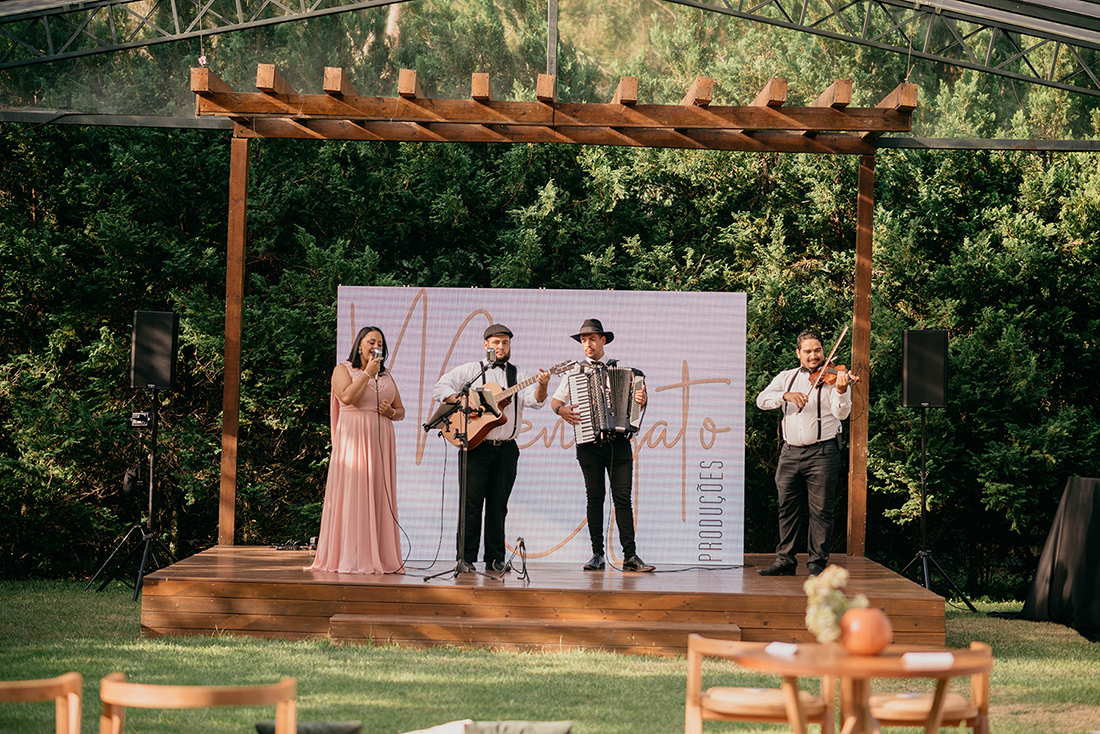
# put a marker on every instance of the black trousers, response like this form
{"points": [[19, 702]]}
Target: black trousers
{"points": [[490, 475], [615, 459], [806, 478]]}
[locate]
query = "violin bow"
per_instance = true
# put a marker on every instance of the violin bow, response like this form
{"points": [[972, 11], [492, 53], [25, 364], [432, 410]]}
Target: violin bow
{"points": [[828, 361]]}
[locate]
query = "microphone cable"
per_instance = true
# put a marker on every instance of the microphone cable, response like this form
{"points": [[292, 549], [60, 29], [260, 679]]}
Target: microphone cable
{"points": [[393, 511], [382, 462]]}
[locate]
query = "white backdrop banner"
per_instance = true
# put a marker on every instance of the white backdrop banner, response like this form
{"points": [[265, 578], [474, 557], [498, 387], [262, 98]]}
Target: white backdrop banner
{"points": [[688, 455]]}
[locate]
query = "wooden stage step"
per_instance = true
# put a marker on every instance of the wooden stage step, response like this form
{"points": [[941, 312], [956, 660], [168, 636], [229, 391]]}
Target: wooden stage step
{"points": [[522, 634], [262, 592]]}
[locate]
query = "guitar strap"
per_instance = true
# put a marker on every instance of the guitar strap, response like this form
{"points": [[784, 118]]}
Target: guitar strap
{"points": [[511, 370]]}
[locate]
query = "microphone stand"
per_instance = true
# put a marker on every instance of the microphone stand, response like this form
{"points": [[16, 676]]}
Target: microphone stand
{"points": [[463, 406]]}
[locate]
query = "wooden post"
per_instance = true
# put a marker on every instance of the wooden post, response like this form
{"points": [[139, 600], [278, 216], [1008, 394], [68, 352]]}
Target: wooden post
{"points": [[234, 298], [861, 358]]}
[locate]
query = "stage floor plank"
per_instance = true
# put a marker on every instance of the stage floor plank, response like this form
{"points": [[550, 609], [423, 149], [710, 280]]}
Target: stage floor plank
{"points": [[263, 592]]}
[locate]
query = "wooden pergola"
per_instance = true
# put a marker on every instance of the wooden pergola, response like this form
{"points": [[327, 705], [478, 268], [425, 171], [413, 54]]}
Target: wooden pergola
{"points": [[828, 125]]}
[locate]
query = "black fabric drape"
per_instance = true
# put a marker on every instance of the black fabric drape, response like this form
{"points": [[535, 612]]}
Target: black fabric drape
{"points": [[1066, 587]]}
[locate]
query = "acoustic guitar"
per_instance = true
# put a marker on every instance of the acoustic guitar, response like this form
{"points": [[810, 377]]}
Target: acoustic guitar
{"points": [[476, 405]]}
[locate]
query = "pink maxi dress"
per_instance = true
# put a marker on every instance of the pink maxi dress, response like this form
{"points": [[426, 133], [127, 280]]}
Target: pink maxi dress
{"points": [[359, 532]]}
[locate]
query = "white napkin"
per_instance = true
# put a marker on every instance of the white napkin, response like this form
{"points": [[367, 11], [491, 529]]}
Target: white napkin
{"points": [[926, 660], [781, 649]]}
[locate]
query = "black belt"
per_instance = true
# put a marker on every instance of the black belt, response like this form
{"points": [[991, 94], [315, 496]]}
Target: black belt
{"points": [[811, 445], [494, 442]]}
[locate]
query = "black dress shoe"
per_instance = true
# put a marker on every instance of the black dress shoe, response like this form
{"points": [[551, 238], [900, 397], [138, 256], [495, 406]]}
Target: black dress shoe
{"points": [[779, 569], [637, 564], [498, 567], [465, 567], [595, 563], [815, 569]]}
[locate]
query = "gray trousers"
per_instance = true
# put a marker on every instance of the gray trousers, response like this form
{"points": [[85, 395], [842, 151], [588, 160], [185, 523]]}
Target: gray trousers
{"points": [[806, 478]]}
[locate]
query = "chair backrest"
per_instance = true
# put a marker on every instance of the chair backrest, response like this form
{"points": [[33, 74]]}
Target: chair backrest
{"points": [[979, 683], [700, 647], [117, 694], [66, 690]]}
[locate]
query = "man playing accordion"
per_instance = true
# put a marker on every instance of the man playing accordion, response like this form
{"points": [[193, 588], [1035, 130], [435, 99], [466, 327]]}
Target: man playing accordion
{"points": [[607, 453]]}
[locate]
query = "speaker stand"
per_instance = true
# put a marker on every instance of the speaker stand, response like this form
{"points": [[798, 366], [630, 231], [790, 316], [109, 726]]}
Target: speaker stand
{"points": [[924, 555], [148, 535]]}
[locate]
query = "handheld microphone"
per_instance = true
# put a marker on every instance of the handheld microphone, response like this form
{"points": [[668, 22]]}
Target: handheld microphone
{"points": [[376, 353]]}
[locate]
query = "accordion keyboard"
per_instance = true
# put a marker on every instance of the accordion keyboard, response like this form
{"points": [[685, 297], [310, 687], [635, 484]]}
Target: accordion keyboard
{"points": [[581, 395]]}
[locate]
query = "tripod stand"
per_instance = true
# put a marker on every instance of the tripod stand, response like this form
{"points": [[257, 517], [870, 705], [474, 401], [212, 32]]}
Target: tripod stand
{"points": [[444, 415], [148, 535], [924, 555]]}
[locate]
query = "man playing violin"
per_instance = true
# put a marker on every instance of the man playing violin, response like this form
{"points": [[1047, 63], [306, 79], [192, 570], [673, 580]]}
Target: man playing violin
{"points": [[809, 461]]}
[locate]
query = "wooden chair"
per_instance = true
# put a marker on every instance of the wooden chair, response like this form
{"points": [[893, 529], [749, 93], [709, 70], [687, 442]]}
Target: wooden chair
{"points": [[750, 704], [66, 690], [117, 695], [913, 709]]}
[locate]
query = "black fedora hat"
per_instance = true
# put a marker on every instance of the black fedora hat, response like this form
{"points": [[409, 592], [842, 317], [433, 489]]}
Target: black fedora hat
{"points": [[593, 326]]}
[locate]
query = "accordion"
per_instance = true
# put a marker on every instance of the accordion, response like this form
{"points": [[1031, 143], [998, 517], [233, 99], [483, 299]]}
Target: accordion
{"points": [[604, 397]]}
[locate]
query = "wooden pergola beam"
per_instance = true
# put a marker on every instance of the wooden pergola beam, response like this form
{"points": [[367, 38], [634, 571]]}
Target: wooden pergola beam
{"points": [[701, 139], [336, 83], [469, 111], [204, 82], [838, 95], [774, 94], [270, 81], [700, 93], [234, 308], [627, 91], [480, 88], [408, 86], [694, 123], [546, 89], [902, 100], [861, 359]]}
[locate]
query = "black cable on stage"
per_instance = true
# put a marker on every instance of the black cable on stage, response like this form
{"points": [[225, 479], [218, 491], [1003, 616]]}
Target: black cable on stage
{"points": [[393, 511], [382, 461]]}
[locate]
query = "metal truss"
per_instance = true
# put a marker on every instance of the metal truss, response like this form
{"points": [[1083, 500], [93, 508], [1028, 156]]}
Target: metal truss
{"points": [[38, 31], [1054, 43], [1050, 42]]}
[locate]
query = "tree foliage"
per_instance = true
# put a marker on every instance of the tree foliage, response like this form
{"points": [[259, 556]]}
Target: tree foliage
{"points": [[999, 249]]}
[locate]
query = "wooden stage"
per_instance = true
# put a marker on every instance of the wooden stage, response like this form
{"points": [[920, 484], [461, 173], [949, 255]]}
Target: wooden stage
{"points": [[262, 592]]}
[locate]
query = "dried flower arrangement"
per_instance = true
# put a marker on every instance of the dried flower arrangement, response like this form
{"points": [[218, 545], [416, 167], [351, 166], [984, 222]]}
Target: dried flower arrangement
{"points": [[826, 603]]}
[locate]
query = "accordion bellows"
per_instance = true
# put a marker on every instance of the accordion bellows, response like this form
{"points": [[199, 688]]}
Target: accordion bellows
{"points": [[604, 397]]}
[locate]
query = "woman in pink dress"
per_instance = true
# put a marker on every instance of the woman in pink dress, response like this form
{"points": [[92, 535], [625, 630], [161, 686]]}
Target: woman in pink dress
{"points": [[359, 532]]}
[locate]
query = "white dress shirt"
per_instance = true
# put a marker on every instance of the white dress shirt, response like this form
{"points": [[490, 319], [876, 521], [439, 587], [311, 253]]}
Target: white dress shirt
{"points": [[450, 384], [801, 429]]}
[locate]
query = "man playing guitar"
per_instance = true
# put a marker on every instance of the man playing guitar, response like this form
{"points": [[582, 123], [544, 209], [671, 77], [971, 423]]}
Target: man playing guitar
{"points": [[491, 464]]}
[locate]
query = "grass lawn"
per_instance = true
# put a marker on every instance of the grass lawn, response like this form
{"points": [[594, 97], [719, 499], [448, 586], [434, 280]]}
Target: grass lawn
{"points": [[1046, 679]]}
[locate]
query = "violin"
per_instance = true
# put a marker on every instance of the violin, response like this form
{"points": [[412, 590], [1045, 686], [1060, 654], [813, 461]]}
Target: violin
{"points": [[830, 374], [829, 371]]}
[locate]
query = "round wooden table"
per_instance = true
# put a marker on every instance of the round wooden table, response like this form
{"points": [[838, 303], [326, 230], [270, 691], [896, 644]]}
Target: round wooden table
{"points": [[856, 671]]}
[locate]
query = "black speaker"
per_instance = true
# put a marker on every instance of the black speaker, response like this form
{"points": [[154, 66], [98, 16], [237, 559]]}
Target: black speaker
{"points": [[153, 350], [924, 368]]}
